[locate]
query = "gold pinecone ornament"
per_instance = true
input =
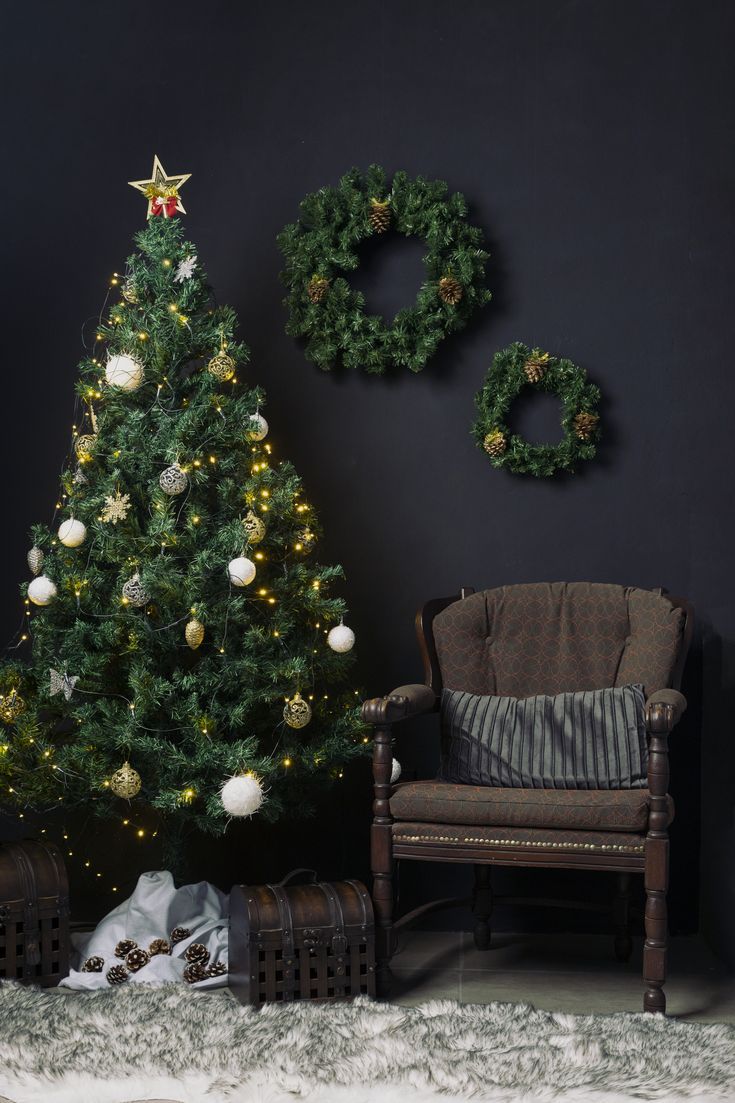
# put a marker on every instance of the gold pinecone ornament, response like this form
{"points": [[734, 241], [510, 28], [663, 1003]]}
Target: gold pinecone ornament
{"points": [[317, 288], [379, 215], [194, 633], [495, 443], [536, 365], [585, 425], [450, 290]]}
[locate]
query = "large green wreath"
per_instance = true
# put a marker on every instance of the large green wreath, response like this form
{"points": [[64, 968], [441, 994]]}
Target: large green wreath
{"points": [[519, 367], [326, 311]]}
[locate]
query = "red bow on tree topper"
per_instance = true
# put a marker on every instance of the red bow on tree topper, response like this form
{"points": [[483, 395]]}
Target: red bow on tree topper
{"points": [[166, 204]]}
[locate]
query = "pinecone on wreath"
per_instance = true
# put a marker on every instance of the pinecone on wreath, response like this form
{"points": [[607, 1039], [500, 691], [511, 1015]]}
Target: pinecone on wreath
{"points": [[195, 972], [495, 443], [118, 974], [450, 290], [585, 425], [379, 215], [536, 365], [197, 953], [317, 288]]}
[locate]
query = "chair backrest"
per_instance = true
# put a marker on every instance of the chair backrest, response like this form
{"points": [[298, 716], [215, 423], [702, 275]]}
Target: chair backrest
{"points": [[554, 637]]}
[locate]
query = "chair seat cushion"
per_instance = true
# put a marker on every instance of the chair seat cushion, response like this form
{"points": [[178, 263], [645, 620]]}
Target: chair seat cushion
{"points": [[575, 809]]}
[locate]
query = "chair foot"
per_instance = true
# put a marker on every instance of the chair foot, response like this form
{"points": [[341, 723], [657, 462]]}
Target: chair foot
{"points": [[481, 934], [654, 1000], [621, 918]]}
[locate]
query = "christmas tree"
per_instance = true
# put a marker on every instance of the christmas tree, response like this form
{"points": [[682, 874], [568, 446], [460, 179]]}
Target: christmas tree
{"points": [[183, 649]]}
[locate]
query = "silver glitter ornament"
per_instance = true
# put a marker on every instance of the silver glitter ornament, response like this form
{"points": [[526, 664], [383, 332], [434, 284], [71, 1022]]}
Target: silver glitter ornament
{"points": [[173, 480]]}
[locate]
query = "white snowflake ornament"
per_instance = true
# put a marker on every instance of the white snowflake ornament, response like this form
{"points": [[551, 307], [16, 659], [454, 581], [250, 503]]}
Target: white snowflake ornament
{"points": [[185, 269], [117, 507]]}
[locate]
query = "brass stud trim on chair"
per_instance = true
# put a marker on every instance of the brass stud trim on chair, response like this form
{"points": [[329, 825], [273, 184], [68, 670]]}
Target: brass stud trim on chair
{"points": [[617, 847]]}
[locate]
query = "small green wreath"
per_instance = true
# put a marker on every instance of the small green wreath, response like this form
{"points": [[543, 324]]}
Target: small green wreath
{"points": [[515, 368], [324, 243]]}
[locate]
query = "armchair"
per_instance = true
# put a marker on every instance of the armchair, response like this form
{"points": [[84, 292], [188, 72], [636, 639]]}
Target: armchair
{"points": [[541, 638]]}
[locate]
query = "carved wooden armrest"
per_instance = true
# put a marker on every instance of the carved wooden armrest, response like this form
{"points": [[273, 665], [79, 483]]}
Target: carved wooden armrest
{"points": [[402, 704], [664, 710]]}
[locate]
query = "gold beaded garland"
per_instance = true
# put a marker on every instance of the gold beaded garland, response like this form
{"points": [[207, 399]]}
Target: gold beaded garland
{"points": [[297, 712], [125, 782], [221, 366], [194, 633]]}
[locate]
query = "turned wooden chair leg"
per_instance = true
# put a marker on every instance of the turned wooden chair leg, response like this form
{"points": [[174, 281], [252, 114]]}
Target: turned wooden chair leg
{"points": [[482, 907], [381, 854], [656, 876], [621, 918]]}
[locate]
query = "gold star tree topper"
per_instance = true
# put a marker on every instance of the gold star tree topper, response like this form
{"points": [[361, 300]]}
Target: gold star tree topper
{"points": [[162, 191]]}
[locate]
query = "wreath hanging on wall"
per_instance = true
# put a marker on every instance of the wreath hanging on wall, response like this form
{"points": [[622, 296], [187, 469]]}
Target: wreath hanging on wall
{"points": [[324, 244], [518, 367]]}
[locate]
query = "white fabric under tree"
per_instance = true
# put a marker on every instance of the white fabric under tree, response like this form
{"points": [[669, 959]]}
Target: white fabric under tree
{"points": [[153, 910]]}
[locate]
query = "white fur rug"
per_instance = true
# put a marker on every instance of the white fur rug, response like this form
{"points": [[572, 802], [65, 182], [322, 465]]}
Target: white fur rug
{"points": [[176, 1044]]}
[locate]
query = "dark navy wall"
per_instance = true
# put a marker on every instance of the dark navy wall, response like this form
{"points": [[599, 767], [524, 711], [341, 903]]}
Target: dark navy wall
{"points": [[595, 142]]}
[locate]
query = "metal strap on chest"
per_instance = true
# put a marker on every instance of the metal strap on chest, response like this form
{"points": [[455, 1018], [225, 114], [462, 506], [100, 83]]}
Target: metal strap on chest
{"points": [[31, 930], [288, 955]]}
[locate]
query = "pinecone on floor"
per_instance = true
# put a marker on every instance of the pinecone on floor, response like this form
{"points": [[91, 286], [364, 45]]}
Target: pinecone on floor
{"points": [[195, 972], [585, 425], [495, 443], [536, 365], [124, 946], [159, 946], [317, 288], [178, 934], [197, 954], [136, 959], [217, 969], [450, 290], [118, 974], [93, 964], [379, 215]]}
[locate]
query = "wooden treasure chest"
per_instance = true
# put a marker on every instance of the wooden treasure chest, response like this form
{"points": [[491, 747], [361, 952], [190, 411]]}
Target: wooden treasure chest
{"points": [[312, 941], [34, 913]]}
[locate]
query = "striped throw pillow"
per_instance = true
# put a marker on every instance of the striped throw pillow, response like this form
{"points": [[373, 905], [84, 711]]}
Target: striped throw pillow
{"points": [[592, 740]]}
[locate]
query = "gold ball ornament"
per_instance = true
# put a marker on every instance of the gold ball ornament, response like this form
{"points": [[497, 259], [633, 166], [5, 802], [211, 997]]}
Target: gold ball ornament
{"points": [[221, 366], [254, 527], [35, 559], [194, 633], [84, 447], [258, 428], [173, 480], [135, 592], [129, 291], [297, 712], [125, 782], [12, 706]]}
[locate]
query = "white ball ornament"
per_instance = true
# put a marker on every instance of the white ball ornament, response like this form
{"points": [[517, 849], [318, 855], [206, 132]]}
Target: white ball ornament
{"points": [[341, 638], [124, 372], [42, 590], [395, 771], [242, 795], [72, 534], [258, 429], [241, 571]]}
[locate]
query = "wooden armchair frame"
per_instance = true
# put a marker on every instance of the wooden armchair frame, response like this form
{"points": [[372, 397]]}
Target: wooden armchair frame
{"points": [[663, 710]]}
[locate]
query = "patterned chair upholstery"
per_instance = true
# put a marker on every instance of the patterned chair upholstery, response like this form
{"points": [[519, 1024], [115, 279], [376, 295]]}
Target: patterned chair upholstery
{"points": [[520, 641]]}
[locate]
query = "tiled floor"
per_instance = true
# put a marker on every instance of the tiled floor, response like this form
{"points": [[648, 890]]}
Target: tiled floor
{"points": [[558, 972]]}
